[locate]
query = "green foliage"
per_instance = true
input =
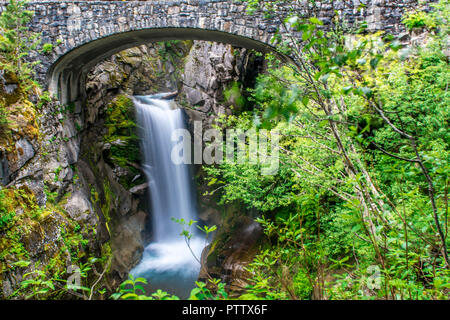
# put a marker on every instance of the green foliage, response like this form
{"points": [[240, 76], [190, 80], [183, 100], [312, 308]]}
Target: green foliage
{"points": [[436, 18], [207, 230], [361, 197], [302, 285], [286, 269], [6, 216], [3, 118], [56, 172], [202, 292], [132, 289], [43, 283], [187, 234], [16, 42], [418, 20], [38, 282], [186, 231], [233, 95], [47, 48], [30, 223], [243, 182]]}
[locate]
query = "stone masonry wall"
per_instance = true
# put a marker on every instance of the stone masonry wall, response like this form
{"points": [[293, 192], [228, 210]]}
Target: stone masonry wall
{"points": [[68, 25]]}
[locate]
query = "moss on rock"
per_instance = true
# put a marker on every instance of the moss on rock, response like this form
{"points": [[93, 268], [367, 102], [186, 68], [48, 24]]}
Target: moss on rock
{"points": [[36, 237], [121, 139]]}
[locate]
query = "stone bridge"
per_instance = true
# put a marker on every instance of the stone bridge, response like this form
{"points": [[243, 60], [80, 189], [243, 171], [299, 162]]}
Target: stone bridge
{"points": [[85, 32]]}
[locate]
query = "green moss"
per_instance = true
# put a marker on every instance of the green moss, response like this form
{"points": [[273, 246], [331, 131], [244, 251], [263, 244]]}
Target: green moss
{"points": [[27, 219], [121, 134], [56, 172], [107, 204], [29, 227], [15, 95]]}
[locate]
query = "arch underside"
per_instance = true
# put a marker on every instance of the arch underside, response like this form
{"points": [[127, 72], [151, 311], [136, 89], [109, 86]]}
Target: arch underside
{"points": [[66, 77]]}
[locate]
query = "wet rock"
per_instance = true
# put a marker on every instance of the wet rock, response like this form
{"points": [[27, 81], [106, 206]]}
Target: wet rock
{"points": [[43, 236], [194, 96], [4, 169], [169, 96], [210, 216], [25, 152], [232, 249], [80, 208], [139, 189], [127, 243], [7, 288], [36, 185], [72, 150]]}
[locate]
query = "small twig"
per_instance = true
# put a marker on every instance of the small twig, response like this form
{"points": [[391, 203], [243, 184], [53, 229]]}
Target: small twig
{"points": [[100, 277]]}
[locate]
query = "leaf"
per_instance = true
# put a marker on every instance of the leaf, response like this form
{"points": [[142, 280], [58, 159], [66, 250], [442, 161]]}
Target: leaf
{"points": [[141, 280], [305, 100], [374, 62], [116, 295], [194, 292], [139, 287], [306, 35], [325, 77], [129, 296], [396, 45], [22, 263], [347, 89], [315, 20], [75, 287], [367, 91], [191, 222], [213, 181], [128, 282], [361, 61]]}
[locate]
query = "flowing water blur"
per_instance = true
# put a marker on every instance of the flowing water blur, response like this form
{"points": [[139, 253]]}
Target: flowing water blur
{"points": [[167, 262]]}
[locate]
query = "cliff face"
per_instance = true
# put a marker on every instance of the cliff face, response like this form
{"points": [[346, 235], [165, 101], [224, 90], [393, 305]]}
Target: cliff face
{"points": [[78, 166]]}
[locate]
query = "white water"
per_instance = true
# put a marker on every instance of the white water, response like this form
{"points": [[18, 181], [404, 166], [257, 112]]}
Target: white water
{"points": [[167, 262]]}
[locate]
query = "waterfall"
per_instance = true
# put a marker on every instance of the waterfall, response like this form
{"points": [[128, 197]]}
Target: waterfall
{"points": [[167, 262]]}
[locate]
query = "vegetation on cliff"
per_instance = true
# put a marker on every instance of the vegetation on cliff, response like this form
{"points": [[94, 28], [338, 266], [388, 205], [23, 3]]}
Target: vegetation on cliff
{"points": [[44, 252]]}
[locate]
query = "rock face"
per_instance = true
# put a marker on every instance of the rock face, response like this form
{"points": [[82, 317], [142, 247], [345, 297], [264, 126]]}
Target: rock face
{"points": [[210, 69], [234, 246], [24, 151]]}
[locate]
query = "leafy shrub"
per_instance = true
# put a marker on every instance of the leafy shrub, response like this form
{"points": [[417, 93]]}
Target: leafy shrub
{"points": [[418, 20]]}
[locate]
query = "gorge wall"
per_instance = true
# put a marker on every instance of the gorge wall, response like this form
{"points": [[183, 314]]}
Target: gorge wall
{"points": [[80, 164]]}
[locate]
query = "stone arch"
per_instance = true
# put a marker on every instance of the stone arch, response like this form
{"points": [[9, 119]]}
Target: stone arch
{"points": [[84, 32], [66, 76]]}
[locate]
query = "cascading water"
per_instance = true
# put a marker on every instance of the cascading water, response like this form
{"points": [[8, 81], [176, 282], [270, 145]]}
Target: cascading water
{"points": [[167, 262]]}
